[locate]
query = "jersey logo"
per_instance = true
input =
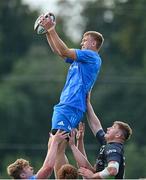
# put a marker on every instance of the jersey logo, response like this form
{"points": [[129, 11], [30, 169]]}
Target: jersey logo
{"points": [[111, 151], [102, 149], [61, 123], [73, 67], [69, 128]]}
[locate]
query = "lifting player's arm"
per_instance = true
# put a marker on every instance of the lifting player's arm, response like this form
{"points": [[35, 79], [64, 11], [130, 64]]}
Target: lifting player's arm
{"points": [[93, 120], [48, 165], [80, 138], [79, 157], [110, 171]]}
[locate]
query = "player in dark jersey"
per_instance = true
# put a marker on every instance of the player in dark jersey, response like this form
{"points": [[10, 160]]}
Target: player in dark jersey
{"points": [[110, 160], [110, 152]]}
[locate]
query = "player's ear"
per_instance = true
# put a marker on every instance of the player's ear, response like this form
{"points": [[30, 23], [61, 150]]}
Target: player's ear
{"points": [[118, 134], [94, 43], [22, 176]]}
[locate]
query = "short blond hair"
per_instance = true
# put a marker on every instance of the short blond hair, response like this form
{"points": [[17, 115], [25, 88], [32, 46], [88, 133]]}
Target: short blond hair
{"points": [[98, 37], [125, 128], [14, 170]]}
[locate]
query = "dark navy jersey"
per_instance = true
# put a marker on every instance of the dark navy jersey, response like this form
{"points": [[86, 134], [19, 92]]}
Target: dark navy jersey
{"points": [[110, 152]]}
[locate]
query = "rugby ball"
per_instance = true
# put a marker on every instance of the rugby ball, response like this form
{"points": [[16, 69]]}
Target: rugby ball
{"points": [[40, 29]]}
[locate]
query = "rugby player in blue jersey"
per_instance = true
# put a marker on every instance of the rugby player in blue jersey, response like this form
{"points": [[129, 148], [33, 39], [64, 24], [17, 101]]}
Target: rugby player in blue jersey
{"points": [[84, 68], [21, 168]]}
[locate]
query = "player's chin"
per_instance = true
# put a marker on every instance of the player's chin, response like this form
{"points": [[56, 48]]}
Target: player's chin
{"points": [[106, 136]]}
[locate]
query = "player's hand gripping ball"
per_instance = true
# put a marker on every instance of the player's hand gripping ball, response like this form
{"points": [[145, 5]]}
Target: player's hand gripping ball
{"points": [[40, 29]]}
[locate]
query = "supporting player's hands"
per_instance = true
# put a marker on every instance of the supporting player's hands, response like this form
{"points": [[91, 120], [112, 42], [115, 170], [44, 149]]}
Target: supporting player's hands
{"points": [[86, 173], [47, 21], [72, 138], [59, 136], [80, 131], [79, 134]]}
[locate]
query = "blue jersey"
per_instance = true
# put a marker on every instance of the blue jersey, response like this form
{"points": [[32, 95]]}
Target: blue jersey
{"points": [[32, 177], [81, 77]]}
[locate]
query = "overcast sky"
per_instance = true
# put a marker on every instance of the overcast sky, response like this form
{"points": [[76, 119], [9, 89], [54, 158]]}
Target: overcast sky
{"points": [[43, 5], [51, 6]]}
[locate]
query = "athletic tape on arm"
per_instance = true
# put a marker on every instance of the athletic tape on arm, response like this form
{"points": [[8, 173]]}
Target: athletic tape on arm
{"points": [[105, 173], [114, 164]]}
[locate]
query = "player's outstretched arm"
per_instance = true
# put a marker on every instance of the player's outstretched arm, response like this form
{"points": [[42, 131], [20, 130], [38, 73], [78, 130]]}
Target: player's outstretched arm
{"points": [[93, 120], [64, 51], [79, 157], [52, 45], [55, 41], [48, 165], [108, 173], [80, 138]]}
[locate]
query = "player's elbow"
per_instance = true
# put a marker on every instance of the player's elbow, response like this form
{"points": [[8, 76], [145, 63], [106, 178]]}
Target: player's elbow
{"points": [[70, 53], [112, 171], [64, 52]]}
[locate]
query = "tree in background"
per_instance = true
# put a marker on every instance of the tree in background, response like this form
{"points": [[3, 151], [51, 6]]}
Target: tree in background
{"points": [[122, 80], [121, 89], [32, 78], [16, 32]]}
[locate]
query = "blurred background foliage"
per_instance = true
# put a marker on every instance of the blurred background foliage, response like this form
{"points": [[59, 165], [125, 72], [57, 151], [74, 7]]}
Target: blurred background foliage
{"points": [[32, 77]]}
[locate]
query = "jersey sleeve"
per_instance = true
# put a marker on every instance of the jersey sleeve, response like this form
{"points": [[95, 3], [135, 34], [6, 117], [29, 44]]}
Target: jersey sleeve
{"points": [[100, 137], [86, 56], [69, 60], [33, 177], [113, 154]]}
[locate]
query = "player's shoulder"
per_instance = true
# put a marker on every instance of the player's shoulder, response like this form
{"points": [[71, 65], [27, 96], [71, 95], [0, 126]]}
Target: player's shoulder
{"points": [[88, 56], [100, 136], [87, 51]]}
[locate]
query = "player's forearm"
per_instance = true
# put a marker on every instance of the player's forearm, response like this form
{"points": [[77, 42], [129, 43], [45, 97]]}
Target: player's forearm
{"points": [[52, 44], [96, 176], [80, 158], [59, 44], [51, 155], [80, 146], [93, 121], [108, 172], [49, 162]]}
